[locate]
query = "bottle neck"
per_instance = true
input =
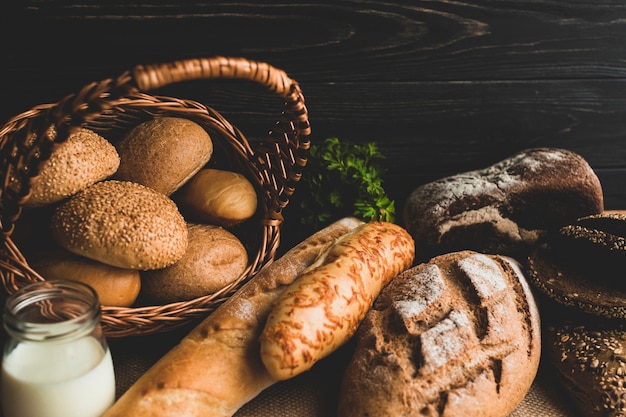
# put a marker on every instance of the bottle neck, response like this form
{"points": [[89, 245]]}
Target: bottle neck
{"points": [[52, 310]]}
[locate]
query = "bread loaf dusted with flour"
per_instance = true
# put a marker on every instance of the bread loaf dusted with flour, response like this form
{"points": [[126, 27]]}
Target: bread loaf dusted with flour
{"points": [[217, 367], [505, 208], [458, 336]]}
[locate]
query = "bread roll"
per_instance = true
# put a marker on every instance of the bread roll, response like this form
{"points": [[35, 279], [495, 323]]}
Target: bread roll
{"points": [[116, 287], [122, 224], [581, 265], [163, 153], [457, 336], [590, 361], [81, 160], [218, 197], [217, 367], [579, 273], [214, 258], [505, 208], [321, 310]]}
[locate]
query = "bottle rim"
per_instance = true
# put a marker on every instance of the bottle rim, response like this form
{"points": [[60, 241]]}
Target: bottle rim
{"points": [[52, 310]]}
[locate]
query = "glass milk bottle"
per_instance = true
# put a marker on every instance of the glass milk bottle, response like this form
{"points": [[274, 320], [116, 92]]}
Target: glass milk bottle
{"points": [[56, 361]]}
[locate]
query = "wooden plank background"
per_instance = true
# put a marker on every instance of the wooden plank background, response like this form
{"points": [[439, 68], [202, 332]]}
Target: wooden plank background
{"points": [[441, 86]]}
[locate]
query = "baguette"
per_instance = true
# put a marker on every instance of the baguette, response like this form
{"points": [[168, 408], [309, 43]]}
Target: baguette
{"points": [[321, 310], [217, 367]]}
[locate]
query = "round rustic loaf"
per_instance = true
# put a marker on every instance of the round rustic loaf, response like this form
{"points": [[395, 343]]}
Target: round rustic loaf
{"points": [[81, 160], [163, 153], [581, 265], [123, 224], [216, 196], [116, 287], [505, 208], [457, 336], [590, 361], [214, 258]]}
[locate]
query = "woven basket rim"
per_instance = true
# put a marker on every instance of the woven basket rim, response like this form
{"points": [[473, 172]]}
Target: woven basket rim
{"points": [[274, 165]]}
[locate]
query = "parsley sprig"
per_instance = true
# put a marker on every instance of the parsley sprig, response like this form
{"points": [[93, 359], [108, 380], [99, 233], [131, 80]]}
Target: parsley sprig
{"points": [[341, 179]]}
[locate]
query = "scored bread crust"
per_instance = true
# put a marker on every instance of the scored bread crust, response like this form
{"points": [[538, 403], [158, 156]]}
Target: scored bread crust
{"points": [[457, 336], [217, 367]]}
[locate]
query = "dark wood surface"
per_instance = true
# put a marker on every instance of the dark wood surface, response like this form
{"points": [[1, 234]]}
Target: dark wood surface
{"points": [[441, 86]]}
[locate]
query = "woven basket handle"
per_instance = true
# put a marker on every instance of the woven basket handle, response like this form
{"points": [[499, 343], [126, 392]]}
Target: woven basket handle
{"points": [[150, 77], [96, 97]]}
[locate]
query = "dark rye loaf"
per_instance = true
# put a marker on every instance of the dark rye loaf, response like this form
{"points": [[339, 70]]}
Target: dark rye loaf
{"points": [[504, 208], [590, 362], [458, 336], [581, 265]]}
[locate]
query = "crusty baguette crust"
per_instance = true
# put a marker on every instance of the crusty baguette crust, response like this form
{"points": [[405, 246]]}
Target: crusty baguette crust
{"points": [[321, 310], [217, 368]]}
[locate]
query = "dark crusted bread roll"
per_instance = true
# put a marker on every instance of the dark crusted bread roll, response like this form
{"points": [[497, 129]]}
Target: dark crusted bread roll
{"points": [[581, 265], [578, 274], [590, 361], [458, 336], [504, 208]]}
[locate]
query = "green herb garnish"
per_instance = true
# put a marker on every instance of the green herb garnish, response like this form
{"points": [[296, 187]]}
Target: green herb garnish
{"points": [[344, 179]]}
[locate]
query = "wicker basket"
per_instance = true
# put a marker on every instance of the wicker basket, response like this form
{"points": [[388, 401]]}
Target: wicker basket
{"points": [[113, 106]]}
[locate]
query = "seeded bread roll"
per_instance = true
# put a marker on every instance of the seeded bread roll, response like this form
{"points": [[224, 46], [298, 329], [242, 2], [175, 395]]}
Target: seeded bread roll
{"points": [[163, 153], [214, 258], [116, 287], [83, 159], [458, 336], [123, 224], [505, 208], [590, 361], [581, 265]]}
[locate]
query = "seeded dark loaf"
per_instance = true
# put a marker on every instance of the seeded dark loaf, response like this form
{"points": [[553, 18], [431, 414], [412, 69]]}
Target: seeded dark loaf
{"points": [[457, 336], [504, 208], [578, 274], [581, 265], [590, 360]]}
